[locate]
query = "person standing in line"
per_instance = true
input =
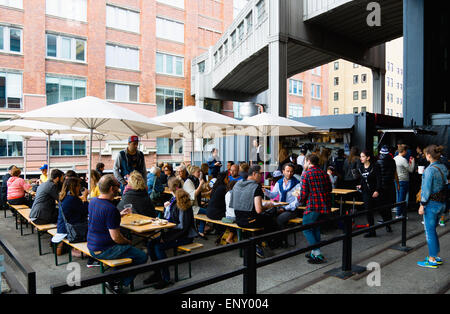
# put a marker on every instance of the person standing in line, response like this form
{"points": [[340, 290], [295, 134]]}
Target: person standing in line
{"points": [[370, 186], [315, 191], [433, 202], [127, 161], [404, 168], [388, 177]]}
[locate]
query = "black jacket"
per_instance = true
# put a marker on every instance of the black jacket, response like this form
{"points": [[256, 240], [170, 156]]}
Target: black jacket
{"points": [[387, 169], [370, 178], [142, 204], [181, 218], [4, 188]]}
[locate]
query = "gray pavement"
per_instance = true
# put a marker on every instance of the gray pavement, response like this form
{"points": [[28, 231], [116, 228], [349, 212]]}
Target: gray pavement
{"points": [[399, 272]]}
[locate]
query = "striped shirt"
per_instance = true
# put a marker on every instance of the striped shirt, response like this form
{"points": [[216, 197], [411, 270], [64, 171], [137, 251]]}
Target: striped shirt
{"points": [[103, 216]]}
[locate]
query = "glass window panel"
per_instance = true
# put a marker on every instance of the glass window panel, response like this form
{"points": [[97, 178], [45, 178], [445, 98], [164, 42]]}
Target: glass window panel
{"points": [[169, 104], [159, 63], [134, 93], [122, 92], [66, 90], [52, 92], [14, 39], [162, 145], [110, 16], [178, 101], [66, 148], [3, 148], [121, 18], [80, 49], [80, 92], [110, 53], [15, 149], [179, 66], [54, 148], [66, 48], [169, 64], [133, 21], [1, 38], [160, 106], [79, 148], [2, 92], [110, 91], [51, 46]]}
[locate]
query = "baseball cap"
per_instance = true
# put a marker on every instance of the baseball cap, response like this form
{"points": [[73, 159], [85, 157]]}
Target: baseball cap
{"points": [[384, 150], [45, 166], [133, 138]]}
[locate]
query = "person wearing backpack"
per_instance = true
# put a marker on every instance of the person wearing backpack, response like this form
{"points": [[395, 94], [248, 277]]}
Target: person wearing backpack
{"points": [[370, 186], [433, 198], [127, 161]]}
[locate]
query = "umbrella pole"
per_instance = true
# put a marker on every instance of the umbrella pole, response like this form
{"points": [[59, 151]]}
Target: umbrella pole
{"points": [[25, 159], [88, 174], [192, 144], [48, 154], [100, 151]]}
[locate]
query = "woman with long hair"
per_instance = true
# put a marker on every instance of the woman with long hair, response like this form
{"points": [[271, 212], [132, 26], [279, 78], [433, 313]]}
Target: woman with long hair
{"points": [[183, 233], [137, 196], [95, 177], [350, 167], [433, 199], [370, 185]]}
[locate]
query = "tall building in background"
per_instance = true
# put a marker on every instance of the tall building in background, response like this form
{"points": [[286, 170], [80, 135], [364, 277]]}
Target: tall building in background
{"points": [[133, 53], [351, 85]]}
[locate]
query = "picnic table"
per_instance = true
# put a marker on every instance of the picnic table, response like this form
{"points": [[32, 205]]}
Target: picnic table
{"points": [[143, 224], [342, 193]]}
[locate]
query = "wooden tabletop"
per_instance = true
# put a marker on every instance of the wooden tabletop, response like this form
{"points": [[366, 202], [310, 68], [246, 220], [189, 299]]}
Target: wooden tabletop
{"points": [[343, 191], [127, 222], [277, 204]]}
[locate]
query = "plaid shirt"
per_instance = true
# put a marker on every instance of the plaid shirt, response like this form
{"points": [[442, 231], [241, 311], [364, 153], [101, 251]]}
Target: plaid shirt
{"points": [[315, 191]]}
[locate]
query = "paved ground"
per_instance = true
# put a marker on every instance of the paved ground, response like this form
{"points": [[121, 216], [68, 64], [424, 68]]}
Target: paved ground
{"points": [[399, 273]]}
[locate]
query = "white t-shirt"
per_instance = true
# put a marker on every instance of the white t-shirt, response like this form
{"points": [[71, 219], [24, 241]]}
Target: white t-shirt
{"points": [[229, 211], [301, 160]]}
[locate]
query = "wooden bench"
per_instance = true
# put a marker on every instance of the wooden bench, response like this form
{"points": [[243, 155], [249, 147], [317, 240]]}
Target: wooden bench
{"points": [[82, 247], [356, 203], [41, 229], [188, 248], [333, 209]]}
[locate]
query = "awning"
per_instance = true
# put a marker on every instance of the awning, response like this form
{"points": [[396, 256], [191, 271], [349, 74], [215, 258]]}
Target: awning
{"points": [[331, 123], [415, 131]]}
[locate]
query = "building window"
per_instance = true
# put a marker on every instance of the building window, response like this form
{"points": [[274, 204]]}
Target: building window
{"points": [[60, 89], [220, 53], [10, 90], [168, 100], [315, 91], [241, 30], [66, 48], [316, 71], [363, 78], [363, 94], [355, 79], [363, 109], [122, 92], [168, 146], [295, 110], [11, 146], [233, 39], [10, 39], [122, 19], [174, 3], [225, 48], [201, 67], [336, 65], [69, 9], [355, 109], [122, 57], [335, 111], [355, 65], [355, 95], [67, 148], [315, 111], [169, 64], [170, 30], [12, 3], [249, 22], [336, 96], [261, 9], [336, 81], [295, 87]]}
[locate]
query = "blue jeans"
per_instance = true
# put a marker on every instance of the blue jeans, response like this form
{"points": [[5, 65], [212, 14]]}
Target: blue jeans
{"points": [[313, 234], [201, 225], [431, 217], [402, 195], [123, 251], [157, 251]]}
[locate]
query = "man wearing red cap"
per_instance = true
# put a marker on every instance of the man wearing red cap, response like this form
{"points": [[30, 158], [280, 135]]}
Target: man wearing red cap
{"points": [[128, 160]]}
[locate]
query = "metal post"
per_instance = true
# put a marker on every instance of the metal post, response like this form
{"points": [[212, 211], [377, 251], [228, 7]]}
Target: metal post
{"points": [[250, 272], [347, 245]]}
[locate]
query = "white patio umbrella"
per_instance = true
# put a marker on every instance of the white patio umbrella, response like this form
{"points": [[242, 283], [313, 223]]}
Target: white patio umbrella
{"points": [[95, 114], [266, 124], [194, 121], [31, 128]]}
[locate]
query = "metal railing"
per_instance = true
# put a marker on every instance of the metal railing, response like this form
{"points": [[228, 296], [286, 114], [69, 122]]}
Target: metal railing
{"points": [[250, 264], [23, 266]]}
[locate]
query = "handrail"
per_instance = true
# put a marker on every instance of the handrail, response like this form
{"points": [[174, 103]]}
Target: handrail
{"points": [[24, 267], [250, 262]]}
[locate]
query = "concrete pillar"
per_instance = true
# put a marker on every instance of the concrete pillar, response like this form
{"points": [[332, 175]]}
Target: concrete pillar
{"points": [[413, 62], [379, 78], [278, 78]]}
